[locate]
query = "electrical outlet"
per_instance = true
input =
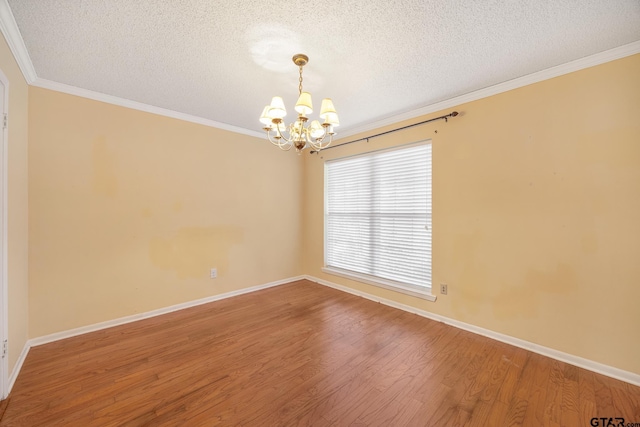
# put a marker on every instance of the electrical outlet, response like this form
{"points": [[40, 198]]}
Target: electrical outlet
{"points": [[214, 273], [443, 288]]}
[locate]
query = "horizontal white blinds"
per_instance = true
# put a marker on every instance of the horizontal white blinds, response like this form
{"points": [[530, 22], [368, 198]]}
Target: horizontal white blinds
{"points": [[378, 215]]}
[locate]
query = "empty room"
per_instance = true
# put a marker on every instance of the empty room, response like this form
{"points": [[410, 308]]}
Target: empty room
{"points": [[405, 213]]}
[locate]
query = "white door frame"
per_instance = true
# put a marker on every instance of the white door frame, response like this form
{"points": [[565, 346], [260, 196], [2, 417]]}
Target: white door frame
{"points": [[4, 301]]}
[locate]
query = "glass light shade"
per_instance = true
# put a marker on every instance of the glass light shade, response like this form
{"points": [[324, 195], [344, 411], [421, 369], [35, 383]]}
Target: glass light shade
{"points": [[327, 108], [316, 130], [304, 106], [332, 118], [264, 118], [276, 109]]}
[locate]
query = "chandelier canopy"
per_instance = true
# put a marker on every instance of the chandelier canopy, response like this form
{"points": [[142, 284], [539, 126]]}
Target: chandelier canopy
{"points": [[300, 135]]}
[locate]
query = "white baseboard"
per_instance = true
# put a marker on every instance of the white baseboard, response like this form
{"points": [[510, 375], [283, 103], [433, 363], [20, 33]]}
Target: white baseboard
{"points": [[580, 362], [18, 366], [610, 371], [135, 317], [128, 319]]}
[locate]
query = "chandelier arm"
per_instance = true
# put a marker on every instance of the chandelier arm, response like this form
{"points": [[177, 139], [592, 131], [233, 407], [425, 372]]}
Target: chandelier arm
{"points": [[269, 138], [307, 136], [316, 142], [288, 140], [285, 146], [280, 134], [278, 142], [320, 144]]}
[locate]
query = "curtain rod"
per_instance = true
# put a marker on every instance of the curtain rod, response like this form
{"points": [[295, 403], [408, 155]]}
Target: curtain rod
{"points": [[445, 117]]}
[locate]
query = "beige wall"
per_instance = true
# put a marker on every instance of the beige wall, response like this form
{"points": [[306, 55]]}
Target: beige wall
{"points": [[130, 210], [536, 221], [17, 237], [536, 207]]}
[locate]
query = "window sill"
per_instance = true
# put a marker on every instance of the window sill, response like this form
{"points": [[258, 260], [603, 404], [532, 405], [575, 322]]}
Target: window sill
{"points": [[381, 283]]}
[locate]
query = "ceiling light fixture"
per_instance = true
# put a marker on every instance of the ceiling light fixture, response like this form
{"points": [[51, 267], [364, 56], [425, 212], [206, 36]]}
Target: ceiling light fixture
{"points": [[315, 135]]}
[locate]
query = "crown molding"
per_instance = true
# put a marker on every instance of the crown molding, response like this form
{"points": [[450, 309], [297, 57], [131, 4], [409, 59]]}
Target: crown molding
{"points": [[109, 99], [549, 73], [10, 30], [11, 33]]}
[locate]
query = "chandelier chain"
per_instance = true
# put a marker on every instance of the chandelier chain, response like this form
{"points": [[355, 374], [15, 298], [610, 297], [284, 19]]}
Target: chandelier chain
{"points": [[300, 80]]}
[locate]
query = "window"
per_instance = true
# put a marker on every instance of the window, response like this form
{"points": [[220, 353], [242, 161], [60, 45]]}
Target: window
{"points": [[378, 218]]}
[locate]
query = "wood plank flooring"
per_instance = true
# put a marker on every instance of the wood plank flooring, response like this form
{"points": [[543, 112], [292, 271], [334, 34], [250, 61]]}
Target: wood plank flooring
{"points": [[303, 354]]}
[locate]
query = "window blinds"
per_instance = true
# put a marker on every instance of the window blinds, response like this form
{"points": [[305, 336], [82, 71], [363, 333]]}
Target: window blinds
{"points": [[378, 215]]}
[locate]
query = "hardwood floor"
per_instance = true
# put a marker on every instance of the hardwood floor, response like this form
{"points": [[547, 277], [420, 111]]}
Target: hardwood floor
{"points": [[303, 354]]}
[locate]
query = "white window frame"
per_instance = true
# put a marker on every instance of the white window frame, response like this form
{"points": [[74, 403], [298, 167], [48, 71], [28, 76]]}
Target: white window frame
{"points": [[423, 292]]}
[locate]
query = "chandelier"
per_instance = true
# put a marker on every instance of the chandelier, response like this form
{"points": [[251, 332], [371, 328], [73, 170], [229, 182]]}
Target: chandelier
{"points": [[300, 135]]}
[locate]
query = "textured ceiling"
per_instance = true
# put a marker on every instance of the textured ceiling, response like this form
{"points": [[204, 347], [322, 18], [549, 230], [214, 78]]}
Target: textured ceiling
{"points": [[223, 61]]}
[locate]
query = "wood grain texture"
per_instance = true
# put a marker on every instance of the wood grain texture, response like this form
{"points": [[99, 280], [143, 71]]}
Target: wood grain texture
{"points": [[303, 354]]}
